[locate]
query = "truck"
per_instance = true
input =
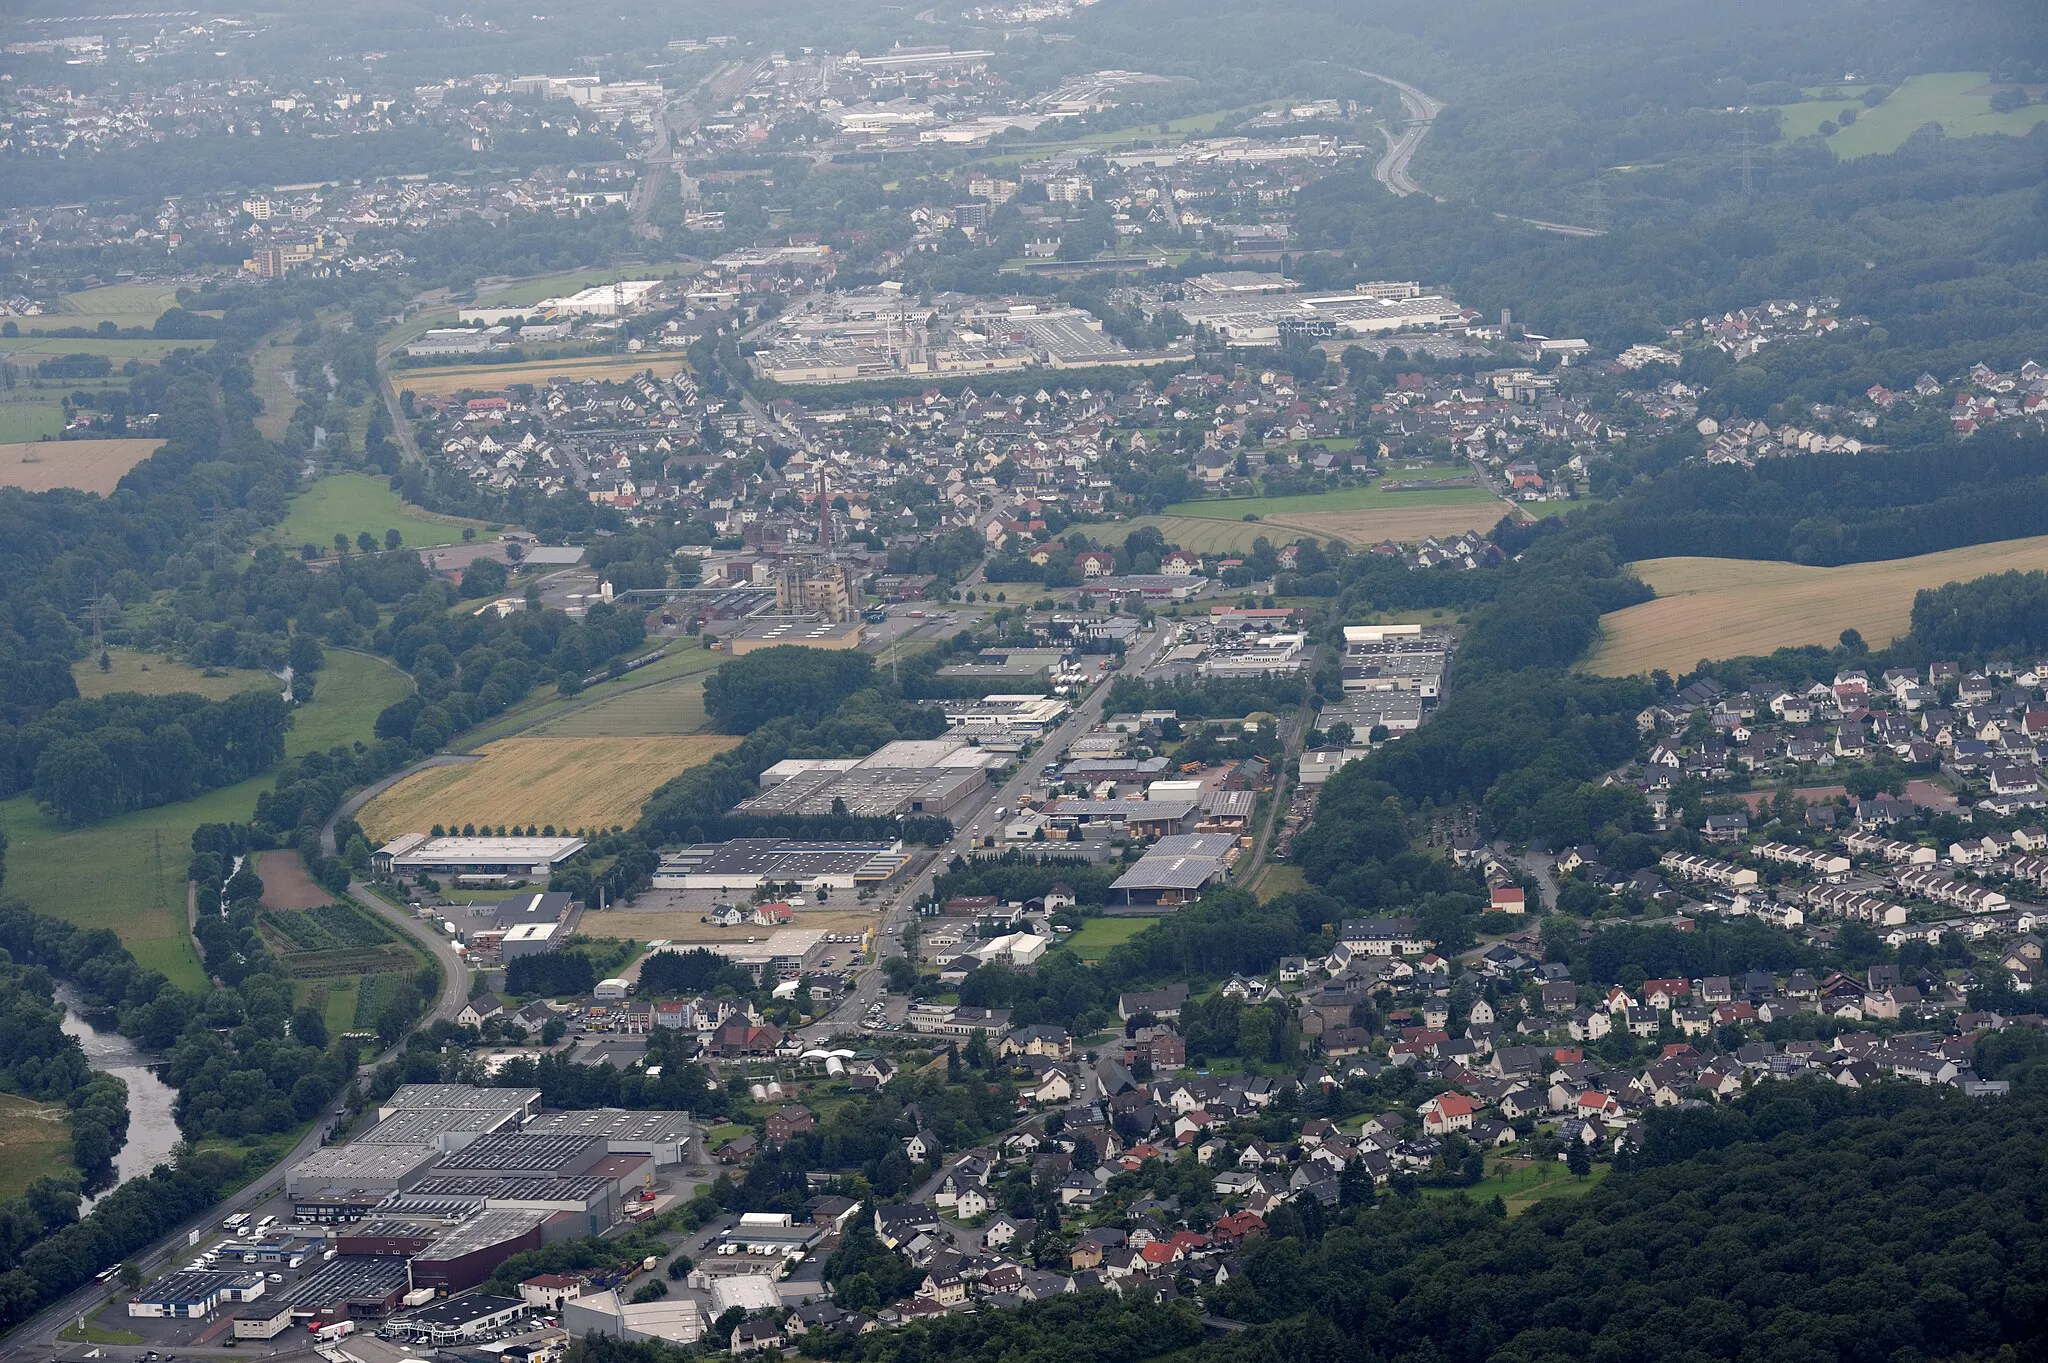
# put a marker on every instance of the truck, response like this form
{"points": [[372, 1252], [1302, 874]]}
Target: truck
{"points": [[340, 1329]]}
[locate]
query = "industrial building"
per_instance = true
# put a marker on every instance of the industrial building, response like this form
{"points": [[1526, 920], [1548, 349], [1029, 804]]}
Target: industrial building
{"points": [[478, 860], [195, 1293], [744, 864], [676, 1322], [590, 1200], [359, 1167], [459, 1319], [353, 1285], [469, 1252], [524, 925], [507, 1106], [1137, 818], [1175, 869], [1018, 717], [664, 1136], [1007, 664], [264, 1320], [802, 632], [868, 792], [516, 1154]]}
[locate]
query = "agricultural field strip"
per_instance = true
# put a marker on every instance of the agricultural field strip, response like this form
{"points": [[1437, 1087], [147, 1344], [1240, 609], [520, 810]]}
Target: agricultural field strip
{"points": [[1723, 608]]}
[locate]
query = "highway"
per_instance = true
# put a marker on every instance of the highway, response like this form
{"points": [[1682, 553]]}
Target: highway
{"points": [[901, 910], [37, 1337], [1392, 170]]}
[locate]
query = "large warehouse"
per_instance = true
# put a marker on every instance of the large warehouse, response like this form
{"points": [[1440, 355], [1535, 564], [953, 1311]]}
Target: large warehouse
{"points": [[744, 864], [417, 854]]}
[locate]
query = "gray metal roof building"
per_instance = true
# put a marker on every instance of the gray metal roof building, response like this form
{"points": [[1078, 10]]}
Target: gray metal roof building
{"points": [[510, 1103], [360, 1168], [664, 1135], [360, 1284], [1175, 869], [536, 1156], [744, 863]]}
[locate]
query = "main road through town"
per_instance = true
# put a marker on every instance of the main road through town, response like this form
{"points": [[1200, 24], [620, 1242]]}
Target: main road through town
{"points": [[901, 909]]}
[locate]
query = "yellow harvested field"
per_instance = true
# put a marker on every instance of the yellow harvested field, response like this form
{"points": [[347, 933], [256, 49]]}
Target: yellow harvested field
{"points": [[495, 378], [1727, 608], [88, 465], [568, 782]]}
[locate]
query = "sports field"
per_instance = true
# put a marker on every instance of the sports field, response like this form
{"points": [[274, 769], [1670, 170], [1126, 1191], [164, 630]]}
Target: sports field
{"points": [[1095, 938], [349, 503], [1960, 101], [494, 378], [153, 674], [1725, 608], [88, 465], [568, 782]]}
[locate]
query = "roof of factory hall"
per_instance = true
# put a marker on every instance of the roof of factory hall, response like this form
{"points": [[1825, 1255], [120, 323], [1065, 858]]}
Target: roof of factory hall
{"points": [[482, 1231], [339, 1163], [351, 1277], [518, 1150], [612, 1123]]}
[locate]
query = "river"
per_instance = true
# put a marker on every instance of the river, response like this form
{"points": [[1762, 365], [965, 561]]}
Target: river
{"points": [[152, 1124]]}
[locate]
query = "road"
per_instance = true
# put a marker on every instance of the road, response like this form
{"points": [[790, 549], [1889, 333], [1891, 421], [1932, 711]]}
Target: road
{"points": [[37, 1337], [1392, 170], [901, 909]]}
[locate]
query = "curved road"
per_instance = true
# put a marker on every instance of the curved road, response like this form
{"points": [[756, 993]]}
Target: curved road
{"points": [[1392, 170]]}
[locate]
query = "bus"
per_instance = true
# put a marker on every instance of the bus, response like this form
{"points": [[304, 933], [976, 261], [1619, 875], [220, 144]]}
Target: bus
{"points": [[235, 1222]]}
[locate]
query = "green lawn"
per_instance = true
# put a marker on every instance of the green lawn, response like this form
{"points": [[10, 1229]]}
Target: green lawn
{"points": [[37, 1139], [25, 417], [98, 1334], [153, 674], [555, 286], [1095, 938], [1278, 879], [610, 708], [348, 694], [128, 873], [1523, 1188], [1373, 498], [349, 503], [115, 349], [1958, 100]]}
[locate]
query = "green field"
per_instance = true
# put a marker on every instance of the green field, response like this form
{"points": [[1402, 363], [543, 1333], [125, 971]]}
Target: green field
{"points": [[1279, 879], [37, 1140], [153, 674], [25, 417], [348, 694], [546, 714], [116, 349], [1958, 100], [1095, 938], [555, 286], [348, 503], [1373, 498], [1523, 1188], [128, 873]]}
